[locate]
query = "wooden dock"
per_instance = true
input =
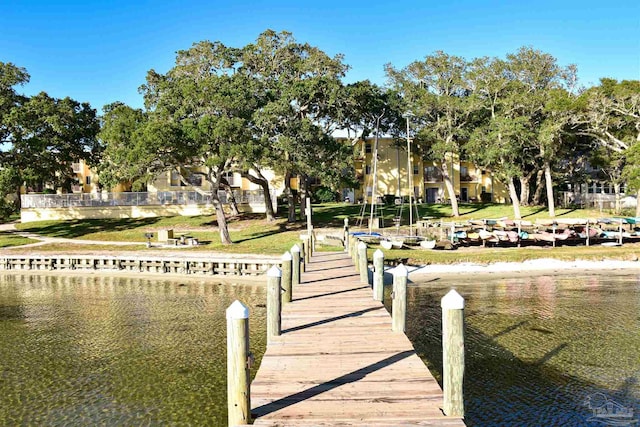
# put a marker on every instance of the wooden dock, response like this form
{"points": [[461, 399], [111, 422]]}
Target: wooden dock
{"points": [[337, 362]]}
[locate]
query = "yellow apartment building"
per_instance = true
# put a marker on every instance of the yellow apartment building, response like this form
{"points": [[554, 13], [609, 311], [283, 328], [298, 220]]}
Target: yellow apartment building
{"points": [[471, 184], [87, 181]]}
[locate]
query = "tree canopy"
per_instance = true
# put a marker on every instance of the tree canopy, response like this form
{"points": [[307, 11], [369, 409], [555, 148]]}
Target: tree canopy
{"points": [[274, 104]]}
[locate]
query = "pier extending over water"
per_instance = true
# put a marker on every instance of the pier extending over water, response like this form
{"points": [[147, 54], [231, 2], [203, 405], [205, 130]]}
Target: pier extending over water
{"points": [[337, 361]]}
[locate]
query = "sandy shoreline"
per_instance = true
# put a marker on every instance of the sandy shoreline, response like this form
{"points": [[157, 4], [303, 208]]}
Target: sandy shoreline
{"points": [[530, 267]]}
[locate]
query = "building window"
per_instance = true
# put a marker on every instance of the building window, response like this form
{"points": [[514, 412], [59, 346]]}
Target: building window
{"points": [[431, 173], [367, 169], [231, 179], [416, 169], [195, 179], [87, 180], [367, 147]]}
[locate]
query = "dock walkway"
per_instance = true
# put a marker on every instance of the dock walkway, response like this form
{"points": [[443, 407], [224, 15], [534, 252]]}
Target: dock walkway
{"points": [[337, 362]]}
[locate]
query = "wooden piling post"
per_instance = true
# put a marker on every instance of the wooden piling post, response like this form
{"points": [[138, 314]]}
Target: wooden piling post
{"points": [[287, 283], [308, 213], [238, 357], [354, 252], [378, 275], [351, 251], [484, 227], [307, 250], [363, 264], [303, 255], [399, 305], [587, 232], [453, 353], [312, 241], [273, 302], [354, 255], [621, 230], [345, 232], [295, 265]]}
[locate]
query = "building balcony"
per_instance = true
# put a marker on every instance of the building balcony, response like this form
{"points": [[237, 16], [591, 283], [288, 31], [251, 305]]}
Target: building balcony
{"points": [[468, 178], [433, 178]]}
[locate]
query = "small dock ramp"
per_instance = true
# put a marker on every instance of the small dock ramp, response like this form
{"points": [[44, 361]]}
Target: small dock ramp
{"points": [[337, 362]]}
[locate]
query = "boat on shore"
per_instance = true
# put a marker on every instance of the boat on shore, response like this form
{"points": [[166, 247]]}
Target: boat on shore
{"points": [[428, 244]]}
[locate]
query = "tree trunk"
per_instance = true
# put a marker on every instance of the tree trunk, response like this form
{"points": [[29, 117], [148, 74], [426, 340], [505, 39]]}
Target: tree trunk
{"points": [[537, 196], [220, 217], [291, 206], [264, 184], [616, 189], [525, 188], [549, 186], [231, 197], [450, 190], [514, 198], [19, 199]]}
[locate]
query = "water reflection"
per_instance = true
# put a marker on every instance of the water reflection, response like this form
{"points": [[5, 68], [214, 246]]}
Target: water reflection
{"points": [[538, 347], [117, 351]]}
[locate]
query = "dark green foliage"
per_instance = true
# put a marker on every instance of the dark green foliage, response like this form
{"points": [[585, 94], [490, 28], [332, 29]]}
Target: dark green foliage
{"points": [[41, 136], [324, 195]]}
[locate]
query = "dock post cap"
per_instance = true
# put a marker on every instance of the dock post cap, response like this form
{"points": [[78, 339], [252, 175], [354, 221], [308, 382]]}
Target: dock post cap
{"points": [[362, 245], [274, 272], [295, 248], [287, 256], [237, 310], [452, 301], [378, 254], [346, 221], [401, 271]]}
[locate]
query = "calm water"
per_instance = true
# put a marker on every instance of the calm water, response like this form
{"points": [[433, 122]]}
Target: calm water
{"points": [[540, 351], [114, 351]]}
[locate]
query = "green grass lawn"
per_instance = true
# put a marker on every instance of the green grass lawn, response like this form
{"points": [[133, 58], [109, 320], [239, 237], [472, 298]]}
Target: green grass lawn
{"points": [[252, 234], [8, 240]]}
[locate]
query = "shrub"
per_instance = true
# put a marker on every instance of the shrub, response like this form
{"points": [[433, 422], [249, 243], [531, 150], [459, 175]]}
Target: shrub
{"points": [[324, 195]]}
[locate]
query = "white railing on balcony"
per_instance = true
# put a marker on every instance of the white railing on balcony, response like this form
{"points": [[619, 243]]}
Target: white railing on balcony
{"points": [[34, 201]]}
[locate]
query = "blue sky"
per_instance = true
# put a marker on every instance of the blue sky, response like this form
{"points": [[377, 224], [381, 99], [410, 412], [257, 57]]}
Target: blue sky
{"points": [[99, 52]]}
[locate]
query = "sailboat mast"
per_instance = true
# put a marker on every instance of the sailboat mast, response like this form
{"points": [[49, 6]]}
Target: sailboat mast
{"points": [[408, 115], [374, 188]]}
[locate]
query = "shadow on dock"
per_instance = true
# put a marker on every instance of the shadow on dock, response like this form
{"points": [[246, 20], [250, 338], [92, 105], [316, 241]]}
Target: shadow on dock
{"points": [[329, 385], [332, 319]]}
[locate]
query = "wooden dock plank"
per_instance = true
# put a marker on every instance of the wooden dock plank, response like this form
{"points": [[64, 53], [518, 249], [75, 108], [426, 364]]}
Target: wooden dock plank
{"points": [[337, 362]]}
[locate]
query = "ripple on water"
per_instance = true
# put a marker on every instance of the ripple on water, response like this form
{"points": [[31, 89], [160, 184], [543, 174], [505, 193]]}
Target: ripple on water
{"points": [[117, 351], [538, 347]]}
